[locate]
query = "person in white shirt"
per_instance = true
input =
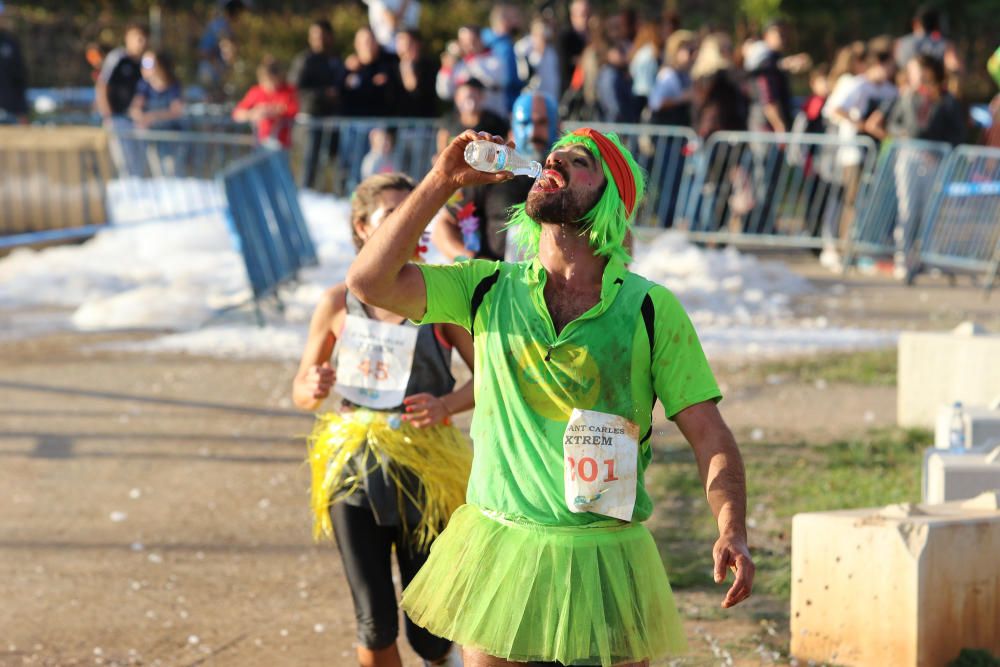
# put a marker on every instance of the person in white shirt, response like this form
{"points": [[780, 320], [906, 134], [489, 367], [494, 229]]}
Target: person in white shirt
{"points": [[537, 60], [851, 104], [387, 18], [644, 61], [847, 108], [670, 99]]}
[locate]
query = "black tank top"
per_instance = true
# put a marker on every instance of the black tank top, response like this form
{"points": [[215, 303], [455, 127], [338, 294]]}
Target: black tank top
{"points": [[430, 373], [431, 369]]}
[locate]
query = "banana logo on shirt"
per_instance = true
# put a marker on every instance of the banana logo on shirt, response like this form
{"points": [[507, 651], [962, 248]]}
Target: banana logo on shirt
{"points": [[555, 381]]}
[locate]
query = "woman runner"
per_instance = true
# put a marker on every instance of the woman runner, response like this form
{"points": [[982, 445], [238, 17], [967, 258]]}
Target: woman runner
{"points": [[387, 471]]}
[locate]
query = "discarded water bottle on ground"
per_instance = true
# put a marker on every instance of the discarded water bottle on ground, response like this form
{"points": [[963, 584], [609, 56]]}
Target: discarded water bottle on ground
{"points": [[492, 158], [956, 429]]}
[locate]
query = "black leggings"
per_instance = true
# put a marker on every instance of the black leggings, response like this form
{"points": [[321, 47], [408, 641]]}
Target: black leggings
{"points": [[366, 550]]}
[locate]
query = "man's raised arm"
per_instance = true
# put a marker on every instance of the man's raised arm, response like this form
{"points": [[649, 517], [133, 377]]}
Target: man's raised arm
{"points": [[382, 275]]}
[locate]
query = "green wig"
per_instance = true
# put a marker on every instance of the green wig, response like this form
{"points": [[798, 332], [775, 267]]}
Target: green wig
{"points": [[606, 224]]}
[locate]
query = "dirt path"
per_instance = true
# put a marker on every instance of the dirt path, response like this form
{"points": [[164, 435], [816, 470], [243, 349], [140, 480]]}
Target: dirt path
{"points": [[155, 511], [155, 507]]}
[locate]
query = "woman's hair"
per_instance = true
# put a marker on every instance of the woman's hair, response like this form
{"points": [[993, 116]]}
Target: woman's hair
{"points": [[649, 32], [165, 63], [365, 199], [678, 40], [606, 224], [820, 71], [712, 56], [138, 26], [934, 66], [324, 25], [846, 61]]}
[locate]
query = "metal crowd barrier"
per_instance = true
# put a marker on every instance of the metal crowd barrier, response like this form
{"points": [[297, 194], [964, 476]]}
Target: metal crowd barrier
{"points": [[51, 185], [790, 190], [936, 206], [961, 229], [268, 227], [163, 175], [892, 212], [336, 153]]}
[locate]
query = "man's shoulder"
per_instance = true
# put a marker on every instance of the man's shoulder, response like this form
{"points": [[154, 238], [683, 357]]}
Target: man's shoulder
{"points": [[664, 301], [117, 60], [114, 56], [474, 269], [255, 95]]}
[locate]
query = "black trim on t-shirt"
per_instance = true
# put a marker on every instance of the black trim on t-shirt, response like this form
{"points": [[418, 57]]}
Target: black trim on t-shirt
{"points": [[484, 286], [649, 319]]}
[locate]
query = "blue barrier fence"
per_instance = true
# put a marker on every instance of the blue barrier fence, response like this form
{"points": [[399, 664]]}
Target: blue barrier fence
{"points": [[788, 190], [166, 175], [268, 227], [335, 154], [741, 188], [890, 221], [961, 227]]}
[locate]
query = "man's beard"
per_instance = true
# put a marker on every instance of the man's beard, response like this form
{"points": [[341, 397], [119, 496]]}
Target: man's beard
{"points": [[563, 207]]}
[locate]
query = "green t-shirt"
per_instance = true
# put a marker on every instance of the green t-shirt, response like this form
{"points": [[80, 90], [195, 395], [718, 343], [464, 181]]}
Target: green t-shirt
{"points": [[528, 379]]}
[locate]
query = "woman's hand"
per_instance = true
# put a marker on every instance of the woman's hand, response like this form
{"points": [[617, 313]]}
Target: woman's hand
{"points": [[319, 380], [424, 410]]}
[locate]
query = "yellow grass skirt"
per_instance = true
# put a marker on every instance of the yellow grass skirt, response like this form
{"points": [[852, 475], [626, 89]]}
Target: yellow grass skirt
{"points": [[440, 457]]}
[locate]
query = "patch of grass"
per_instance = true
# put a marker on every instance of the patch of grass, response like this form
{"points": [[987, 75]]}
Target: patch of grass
{"points": [[870, 367], [975, 658], [880, 468]]}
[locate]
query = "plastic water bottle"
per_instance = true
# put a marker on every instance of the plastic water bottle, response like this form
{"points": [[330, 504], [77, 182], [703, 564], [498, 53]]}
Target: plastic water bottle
{"points": [[956, 430], [492, 158]]}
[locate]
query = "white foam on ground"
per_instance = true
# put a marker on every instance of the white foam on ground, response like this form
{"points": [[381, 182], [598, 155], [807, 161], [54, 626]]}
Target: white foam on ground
{"points": [[720, 288], [182, 275]]}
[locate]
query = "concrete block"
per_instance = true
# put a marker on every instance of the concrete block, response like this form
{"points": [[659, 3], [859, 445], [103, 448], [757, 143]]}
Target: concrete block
{"points": [[950, 476], [940, 368], [902, 585]]}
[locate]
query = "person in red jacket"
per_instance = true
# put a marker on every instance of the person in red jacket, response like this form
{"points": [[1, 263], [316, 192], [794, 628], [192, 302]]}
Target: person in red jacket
{"points": [[271, 105]]}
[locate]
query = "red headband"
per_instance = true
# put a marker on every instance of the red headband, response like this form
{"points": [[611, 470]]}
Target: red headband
{"points": [[620, 171]]}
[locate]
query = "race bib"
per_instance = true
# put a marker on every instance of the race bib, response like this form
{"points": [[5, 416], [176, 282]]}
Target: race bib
{"points": [[374, 361], [601, 453]]}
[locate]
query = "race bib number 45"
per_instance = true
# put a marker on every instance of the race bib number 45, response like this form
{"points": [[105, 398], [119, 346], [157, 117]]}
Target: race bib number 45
{"points": [[601, 454], [374, 361]]}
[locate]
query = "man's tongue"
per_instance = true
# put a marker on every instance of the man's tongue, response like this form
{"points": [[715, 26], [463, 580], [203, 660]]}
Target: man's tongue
{"points": [[550, 181]]}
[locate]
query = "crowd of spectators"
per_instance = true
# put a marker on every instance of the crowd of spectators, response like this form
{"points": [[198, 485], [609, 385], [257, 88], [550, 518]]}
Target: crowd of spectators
{"points": [[615, 66], [520, 76]]}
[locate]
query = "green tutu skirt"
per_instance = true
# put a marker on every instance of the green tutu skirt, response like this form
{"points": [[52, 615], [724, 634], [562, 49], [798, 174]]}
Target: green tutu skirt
{"points": [[527, 592]]}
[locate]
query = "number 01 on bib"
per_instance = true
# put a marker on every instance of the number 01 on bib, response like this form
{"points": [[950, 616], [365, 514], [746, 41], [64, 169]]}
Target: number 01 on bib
{"points": [[600, 454]]}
